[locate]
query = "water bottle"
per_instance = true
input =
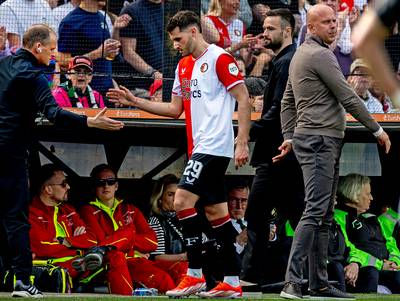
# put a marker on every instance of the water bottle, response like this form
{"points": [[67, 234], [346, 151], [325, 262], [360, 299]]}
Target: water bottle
{"points": [[145, 292]]}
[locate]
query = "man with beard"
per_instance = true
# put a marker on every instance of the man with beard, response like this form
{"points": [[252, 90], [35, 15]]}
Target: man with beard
{"points": [[313, 119], [269, 189]]}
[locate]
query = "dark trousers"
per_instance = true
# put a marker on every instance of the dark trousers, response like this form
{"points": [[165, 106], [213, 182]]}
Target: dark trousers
{"points": [[319, 159], [14, 216], [280, 186], [336, 273], [370, 277]]}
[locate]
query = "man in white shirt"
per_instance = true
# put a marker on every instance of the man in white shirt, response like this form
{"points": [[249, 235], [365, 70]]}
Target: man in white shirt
{"points": [[360, 80], [207, 84]]}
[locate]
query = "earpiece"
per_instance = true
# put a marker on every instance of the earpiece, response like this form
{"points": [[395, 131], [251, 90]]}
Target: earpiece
{"points": [[39, 50]]}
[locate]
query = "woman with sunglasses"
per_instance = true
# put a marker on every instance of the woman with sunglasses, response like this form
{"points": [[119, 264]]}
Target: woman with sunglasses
{"points": [[121, 224], [76, 92]]}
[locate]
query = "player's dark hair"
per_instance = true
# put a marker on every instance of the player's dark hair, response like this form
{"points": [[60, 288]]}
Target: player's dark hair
{"points": [[183, 19]]}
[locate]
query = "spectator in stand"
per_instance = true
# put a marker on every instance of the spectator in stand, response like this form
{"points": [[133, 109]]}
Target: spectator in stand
{"points": [[76, 92], [238, 194], [61, 11], [374, 257], [84, 32], [274, 4], [245, 13], [142, 39], [256, 87], [222, 27], [116, 222], [4, 49], [52, 3], [170, 254], [259, 10], [58, 234], [18, 15], [360, 80], [115, 6]]}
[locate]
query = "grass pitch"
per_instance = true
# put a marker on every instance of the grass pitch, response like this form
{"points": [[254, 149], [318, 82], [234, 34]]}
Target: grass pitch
{"points": [[247, 296]]}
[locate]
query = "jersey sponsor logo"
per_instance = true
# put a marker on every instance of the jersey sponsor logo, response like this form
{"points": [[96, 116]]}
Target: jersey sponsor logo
{"points": [[190, 89], [237, 32], [204, 67], [233, 69]]}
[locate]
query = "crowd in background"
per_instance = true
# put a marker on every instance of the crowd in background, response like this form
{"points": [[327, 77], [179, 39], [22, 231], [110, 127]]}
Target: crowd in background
{"points": [[125, 41], [95, 46]]}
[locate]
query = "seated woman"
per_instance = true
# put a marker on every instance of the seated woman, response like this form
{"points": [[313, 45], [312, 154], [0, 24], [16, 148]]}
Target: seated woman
{"points": [[373, 257], [76, 92], [122, 225], [169, 254]]}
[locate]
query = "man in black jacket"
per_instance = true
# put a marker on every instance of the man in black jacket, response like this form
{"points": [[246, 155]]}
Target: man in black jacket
{"points": [[276, 185], [24, 92]]}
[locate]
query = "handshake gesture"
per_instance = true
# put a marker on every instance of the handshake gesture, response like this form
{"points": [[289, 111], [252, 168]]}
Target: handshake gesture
{"points": [[123, 96]]}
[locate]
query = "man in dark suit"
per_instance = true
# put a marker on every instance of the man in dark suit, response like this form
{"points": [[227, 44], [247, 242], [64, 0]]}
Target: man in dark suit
{"points": [[276, 185]]}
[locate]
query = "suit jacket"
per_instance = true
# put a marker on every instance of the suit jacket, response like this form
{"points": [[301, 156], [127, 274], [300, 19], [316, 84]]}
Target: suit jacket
{"points": [[267, 131]]}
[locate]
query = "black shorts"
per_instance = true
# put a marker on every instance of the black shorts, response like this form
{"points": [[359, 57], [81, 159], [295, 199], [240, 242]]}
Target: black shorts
{"points": [[204, 176]]}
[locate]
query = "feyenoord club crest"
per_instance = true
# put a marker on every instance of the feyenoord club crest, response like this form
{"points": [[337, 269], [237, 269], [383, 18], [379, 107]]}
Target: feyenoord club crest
{"points": [[204, 67]]}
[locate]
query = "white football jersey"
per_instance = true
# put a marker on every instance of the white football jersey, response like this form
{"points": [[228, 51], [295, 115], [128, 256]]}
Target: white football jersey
{"points": [[203, 83]]}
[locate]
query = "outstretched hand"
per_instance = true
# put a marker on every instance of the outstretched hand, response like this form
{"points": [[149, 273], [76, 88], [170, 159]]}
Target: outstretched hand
{"points": [[121, 96], [101, 121]]}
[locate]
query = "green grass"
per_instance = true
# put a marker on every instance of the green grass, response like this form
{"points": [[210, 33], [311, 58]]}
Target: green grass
{"points": [[88, 297]]}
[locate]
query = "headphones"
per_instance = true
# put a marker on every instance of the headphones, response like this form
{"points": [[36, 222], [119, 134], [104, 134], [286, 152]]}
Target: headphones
{"points": [[39, 50]]}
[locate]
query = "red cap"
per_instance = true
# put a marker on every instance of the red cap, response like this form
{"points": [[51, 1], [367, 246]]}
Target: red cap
{"points": [[83, 61], [157, 84]]}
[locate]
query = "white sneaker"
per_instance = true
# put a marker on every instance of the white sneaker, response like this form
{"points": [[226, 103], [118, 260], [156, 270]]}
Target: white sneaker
{"points": [[26, 291]]}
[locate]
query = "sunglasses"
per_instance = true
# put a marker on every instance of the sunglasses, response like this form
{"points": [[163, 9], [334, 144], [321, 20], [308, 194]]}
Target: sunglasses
{"points": [[104, 182], [63, 184], [81, 72]]}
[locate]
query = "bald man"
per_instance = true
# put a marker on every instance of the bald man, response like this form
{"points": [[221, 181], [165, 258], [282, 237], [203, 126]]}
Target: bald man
{"points": [[313, 124]]}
